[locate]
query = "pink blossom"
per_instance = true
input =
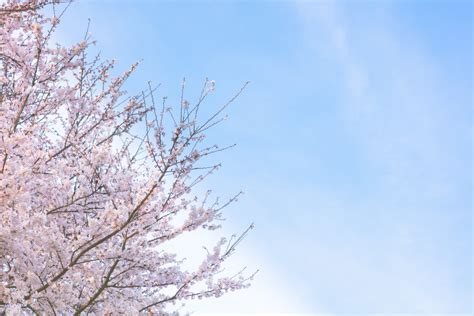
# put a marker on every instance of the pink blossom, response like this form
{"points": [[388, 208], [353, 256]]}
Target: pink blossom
{"points": [[91, 186]]}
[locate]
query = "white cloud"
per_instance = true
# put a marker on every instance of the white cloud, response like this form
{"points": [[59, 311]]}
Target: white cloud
{"points": [[269, 294], [396, 109]]}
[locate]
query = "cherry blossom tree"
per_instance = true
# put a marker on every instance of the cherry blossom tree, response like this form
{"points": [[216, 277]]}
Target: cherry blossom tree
{"points": [[95, 182]]}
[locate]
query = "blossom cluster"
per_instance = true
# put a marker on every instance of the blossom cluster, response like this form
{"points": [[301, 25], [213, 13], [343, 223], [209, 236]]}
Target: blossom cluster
{"points": [[93, 181]]}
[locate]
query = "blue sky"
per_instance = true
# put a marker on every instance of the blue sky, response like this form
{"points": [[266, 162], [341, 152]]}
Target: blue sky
{"points": [[354, 141]]}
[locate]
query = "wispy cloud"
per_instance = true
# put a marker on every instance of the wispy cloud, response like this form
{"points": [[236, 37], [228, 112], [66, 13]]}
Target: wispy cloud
{"points": [[396, 107], [354, 149]]}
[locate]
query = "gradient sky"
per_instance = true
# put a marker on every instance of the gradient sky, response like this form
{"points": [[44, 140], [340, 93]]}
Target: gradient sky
{"points": [[354, 141]]}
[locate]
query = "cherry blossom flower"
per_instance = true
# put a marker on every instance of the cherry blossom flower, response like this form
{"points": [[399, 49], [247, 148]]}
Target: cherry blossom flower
{"points": [[95, 182]]}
